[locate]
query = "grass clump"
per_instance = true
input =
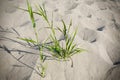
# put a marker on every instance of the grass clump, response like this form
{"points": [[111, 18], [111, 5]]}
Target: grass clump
{"points": [[65, 52], [56, 49]]}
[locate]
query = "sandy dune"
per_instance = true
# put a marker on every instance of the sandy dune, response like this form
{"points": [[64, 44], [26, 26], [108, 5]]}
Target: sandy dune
{"points": [[98, 33]]}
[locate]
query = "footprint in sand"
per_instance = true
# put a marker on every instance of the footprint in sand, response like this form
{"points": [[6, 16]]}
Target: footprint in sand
{"points": [[11, 6], [73, 6], [70, 8], [90, 35], [89, 2], [101, 28]]}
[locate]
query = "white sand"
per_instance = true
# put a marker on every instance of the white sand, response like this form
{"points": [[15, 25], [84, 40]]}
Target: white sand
{"points": [[98, 22]]}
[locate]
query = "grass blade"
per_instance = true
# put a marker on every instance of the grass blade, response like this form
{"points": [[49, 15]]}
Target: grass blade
{"points": [[28, 40], [31, 14]]}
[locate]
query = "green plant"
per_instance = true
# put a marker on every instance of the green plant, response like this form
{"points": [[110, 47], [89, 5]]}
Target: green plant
{"points": [[59, 51], [35, 42], [56, 49]]}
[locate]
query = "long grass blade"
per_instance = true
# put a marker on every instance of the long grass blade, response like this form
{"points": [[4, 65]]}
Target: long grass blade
{"points": [[28, 40], [65, 28], [72, 39], [31, 14]]}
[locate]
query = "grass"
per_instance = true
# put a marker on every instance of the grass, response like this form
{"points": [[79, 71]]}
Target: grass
{"points": [[59, 51], [56, 49], [35, 42]]}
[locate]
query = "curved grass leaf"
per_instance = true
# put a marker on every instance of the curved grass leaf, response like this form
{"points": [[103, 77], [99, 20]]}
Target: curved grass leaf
{"points": [[28, 40]]}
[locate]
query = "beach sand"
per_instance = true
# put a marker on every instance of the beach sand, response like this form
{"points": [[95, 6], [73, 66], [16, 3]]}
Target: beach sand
{"points": [[98, 33]]}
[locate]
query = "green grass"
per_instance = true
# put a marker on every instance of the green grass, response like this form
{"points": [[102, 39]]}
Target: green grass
{"points": [[55, 49], [35, 42], [59, 51]]}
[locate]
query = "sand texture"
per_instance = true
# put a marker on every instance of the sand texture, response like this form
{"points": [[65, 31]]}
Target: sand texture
{"points": [[98, 23]]}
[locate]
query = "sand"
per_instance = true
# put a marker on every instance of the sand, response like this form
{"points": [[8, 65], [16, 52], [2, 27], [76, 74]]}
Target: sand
{"points": [[98, 33]]}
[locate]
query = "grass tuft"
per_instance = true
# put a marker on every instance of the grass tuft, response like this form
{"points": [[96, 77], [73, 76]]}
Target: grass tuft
{"points": [[56, 50], [60, 52]]}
